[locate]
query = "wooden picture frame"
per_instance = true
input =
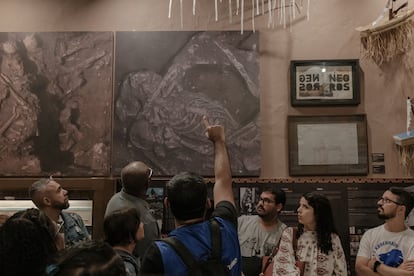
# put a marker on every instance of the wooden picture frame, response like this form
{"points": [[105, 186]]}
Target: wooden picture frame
{"points": [[324, 82], [328, 145]]}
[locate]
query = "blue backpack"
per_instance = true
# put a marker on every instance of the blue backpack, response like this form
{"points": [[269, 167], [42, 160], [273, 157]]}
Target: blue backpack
{"points": [[213, 265]]}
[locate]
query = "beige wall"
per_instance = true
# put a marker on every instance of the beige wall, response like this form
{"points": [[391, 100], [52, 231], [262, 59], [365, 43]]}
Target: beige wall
{"points": [[329, 34]]}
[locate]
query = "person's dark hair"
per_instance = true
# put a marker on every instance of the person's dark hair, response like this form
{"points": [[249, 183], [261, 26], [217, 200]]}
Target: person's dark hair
{"points": [[325, 225], [27, 243], [187, 195], [404, 198], [89, 258], [280, 195], [121, 226]]}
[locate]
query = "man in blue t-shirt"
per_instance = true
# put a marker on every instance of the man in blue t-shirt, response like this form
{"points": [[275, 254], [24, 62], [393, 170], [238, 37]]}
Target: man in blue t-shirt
{"points": [[188, 201]]}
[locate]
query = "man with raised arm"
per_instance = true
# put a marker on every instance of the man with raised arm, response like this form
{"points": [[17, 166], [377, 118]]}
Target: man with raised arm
{"points": [[389, 248], [186, 196]]}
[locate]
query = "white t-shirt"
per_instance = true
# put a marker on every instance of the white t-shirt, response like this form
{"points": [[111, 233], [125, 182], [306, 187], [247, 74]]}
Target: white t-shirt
{"points": [[390, 248]]}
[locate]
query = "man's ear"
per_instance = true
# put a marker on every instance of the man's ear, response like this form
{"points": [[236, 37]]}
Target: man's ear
{"points": [[166, 202], [208, 203], [279, 207], [46, 201], [403, 210]]}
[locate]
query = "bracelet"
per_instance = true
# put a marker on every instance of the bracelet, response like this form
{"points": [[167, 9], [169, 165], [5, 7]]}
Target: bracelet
{"points": [[376, 265]]}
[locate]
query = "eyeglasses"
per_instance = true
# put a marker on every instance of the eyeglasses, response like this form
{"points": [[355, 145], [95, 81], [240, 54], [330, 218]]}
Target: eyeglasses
{"points": [[388, 201], [150, 173], [266, 200]]}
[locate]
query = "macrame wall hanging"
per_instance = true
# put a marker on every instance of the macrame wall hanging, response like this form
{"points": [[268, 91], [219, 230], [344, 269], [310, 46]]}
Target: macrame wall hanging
{"points": [[279, 12], [391, 34], [405, 141]]}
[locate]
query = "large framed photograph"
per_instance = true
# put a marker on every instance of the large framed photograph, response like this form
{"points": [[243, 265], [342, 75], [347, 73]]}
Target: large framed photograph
{"points": [[328, 145], [324, 82]]}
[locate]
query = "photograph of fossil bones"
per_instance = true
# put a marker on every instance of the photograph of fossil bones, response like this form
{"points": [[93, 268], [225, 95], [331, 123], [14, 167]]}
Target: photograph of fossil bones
{"points": [[166, 81], [55, 103]]}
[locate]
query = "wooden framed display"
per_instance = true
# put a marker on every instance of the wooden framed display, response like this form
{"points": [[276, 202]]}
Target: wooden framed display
{"points": [[324, 82], [328, 145]]}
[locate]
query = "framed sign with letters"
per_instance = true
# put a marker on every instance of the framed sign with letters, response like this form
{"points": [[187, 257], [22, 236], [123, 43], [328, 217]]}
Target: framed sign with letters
{"points": [[324, 82]]}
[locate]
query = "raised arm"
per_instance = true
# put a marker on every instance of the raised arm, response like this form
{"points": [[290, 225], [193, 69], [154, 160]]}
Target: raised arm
{"points": [[222, 190]]}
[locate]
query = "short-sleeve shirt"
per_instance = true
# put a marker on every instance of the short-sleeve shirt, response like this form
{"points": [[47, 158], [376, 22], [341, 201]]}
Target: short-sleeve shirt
{"points": [[253, 240], [390, 248], [316, 262], [122, 200], [160, 259]]}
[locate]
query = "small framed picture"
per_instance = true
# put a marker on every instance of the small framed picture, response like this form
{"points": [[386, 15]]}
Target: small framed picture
{"points": [[378, 169], [377, 157], [324, 82], [249, 196]]}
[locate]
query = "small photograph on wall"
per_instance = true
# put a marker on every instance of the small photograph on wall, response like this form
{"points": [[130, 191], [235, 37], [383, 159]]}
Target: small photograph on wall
{"points": [[249, 196], [55, 103], [167, 81], [155, 198]]}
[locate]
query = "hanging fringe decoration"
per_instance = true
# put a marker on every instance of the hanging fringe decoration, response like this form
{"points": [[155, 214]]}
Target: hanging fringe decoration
{"points": [[405, 141], [406, 154], [409, 114], [384, 39], [258, 8]]}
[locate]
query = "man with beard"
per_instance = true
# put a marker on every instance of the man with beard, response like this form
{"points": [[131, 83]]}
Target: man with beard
{"points": [[389, 248], [52, 199], [260, 234]]}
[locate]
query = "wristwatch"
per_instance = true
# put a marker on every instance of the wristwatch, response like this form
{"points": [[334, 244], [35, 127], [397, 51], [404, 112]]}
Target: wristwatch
{"points": [[376, 265]]}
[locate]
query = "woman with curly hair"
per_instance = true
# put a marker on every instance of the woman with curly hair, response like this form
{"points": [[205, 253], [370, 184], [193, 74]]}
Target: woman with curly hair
{"points": [[28, 242], [88, 258], [318, 247]]}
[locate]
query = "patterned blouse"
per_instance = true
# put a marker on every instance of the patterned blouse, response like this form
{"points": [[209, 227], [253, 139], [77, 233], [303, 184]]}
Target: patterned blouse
{"points": [[316, 262]]}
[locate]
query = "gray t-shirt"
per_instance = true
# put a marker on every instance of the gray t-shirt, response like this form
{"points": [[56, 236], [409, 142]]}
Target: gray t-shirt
{"points": [[122, 200], [254, 241]]}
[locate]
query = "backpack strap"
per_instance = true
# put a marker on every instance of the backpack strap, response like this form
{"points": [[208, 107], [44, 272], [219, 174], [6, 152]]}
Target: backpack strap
{"points": [[270, 259], [294, 239], [181, 250], [299, 264], [215, 239], [186, 255]]}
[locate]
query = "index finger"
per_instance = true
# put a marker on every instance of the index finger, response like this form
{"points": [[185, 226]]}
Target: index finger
{"points": [[205, 122]]}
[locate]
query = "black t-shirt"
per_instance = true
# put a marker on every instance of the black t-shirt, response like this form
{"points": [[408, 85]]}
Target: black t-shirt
{"points": [[152, 263]]}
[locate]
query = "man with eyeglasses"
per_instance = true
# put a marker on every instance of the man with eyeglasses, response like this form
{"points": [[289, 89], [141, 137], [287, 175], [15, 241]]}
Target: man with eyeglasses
{"points": [[49, 196], [389, 248], [135, 178], [260, 234]]}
